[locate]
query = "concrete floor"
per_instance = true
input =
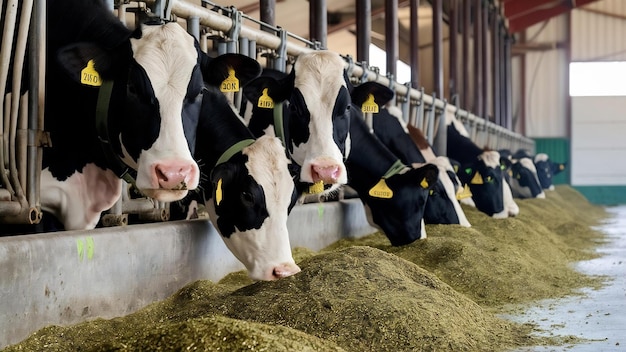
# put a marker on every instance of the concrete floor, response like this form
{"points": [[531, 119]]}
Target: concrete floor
{"points": [[596, 315]]}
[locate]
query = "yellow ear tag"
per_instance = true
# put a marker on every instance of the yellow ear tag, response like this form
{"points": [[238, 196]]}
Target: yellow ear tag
{"points": [[231, 83], [477, 179], [370, 105], [381, 190], [317, 187], [424, 183], [510, 172], [464, 193], [90, 76], [218, 192], [265, 101]]}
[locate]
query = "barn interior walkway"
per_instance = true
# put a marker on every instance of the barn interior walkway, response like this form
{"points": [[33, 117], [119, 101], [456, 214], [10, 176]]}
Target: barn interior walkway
{"points": [[597, 315]]}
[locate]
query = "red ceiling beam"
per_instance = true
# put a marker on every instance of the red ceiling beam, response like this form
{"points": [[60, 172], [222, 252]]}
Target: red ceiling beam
{"points": [[519, 21], [519, 8]]}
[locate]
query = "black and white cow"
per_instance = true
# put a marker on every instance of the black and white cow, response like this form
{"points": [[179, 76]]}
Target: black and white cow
{"points": [[480, 169], [546, 168], [394, 204], [442, 206], [114, 101], [521, 176], [246, 185], [315, 116]]}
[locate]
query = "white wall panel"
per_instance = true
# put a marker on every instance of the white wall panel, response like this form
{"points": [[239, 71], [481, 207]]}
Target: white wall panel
{"points": [[598, 35], [598, 144], [545, 82]]}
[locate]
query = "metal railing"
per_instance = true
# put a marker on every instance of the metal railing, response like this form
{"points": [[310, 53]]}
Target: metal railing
{"points": [[219, 29]]}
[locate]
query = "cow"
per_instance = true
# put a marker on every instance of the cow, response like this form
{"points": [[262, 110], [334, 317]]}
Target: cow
{"points": [[315, 114], [113, 109], [442, 206], [546, 168], [399, 217], [521, 175], [394, 204], [246, 185], [480, 169]]}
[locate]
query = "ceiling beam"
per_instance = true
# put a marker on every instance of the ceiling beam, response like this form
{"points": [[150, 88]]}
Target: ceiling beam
{"points": [[528, 17]]}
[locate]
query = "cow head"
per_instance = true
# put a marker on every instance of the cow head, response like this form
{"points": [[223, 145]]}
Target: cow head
{"points": [[394, 204], [546, 169], [150, 77], [316, 120], [522, 177], [251, 194], [401, 216]]}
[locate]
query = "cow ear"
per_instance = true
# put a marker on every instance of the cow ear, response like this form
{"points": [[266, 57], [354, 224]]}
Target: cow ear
{"points": [[220, 178], [382, 95], [78, 58], [256, 88], [427, 176], [216, 70]]}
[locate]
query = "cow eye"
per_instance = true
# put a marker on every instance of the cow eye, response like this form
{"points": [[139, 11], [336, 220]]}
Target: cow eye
{"points": [[246, 197]]}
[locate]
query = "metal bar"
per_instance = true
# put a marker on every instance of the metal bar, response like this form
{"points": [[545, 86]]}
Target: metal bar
{"points": [[437, 47], [363, 30], [392, 36], [414, 56]]}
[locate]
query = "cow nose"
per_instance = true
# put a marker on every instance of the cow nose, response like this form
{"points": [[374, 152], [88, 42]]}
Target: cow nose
{"points": [[284, 270], [175, 175], [328, 173]]}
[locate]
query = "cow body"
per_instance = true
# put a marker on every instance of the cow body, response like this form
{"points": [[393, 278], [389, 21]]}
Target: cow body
{"points": [[442, 206], [316, 115], [480, 169], [150, 73], [399, 217]]}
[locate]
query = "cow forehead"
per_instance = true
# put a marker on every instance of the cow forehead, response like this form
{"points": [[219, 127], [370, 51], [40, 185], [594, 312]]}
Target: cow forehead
{"points": [[319, 76], [268, 165], [527, 163], [491, 158], [168, 55]]}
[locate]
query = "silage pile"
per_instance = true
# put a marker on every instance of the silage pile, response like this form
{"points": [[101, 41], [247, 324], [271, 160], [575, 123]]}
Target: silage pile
{"points": [[439, 294]]}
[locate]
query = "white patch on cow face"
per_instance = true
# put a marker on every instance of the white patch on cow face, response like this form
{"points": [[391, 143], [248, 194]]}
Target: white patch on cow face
{"points": [[168, 55], [319, 77], [266, 250], [79, 201], [525, 191], [510, 207], [443, 163]]}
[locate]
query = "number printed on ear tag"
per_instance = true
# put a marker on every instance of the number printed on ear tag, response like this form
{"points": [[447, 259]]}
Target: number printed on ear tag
{"points": [[265, 101], [90, 76], [381, 190], [231, 83]]}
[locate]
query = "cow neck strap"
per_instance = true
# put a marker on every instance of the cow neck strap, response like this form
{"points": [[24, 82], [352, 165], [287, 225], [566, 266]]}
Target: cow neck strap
{"points": [[394, 169], [278, 123], [102, 114], [235, 148]]}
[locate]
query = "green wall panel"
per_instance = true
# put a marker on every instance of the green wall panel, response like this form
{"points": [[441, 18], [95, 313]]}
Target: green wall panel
{"points": [[558, 149], [603, 195]]}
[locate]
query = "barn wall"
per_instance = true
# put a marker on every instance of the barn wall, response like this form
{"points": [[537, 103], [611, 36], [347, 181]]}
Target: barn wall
{"points": [[545, 82], [598, 123], [598, 148], [598, 35]]}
